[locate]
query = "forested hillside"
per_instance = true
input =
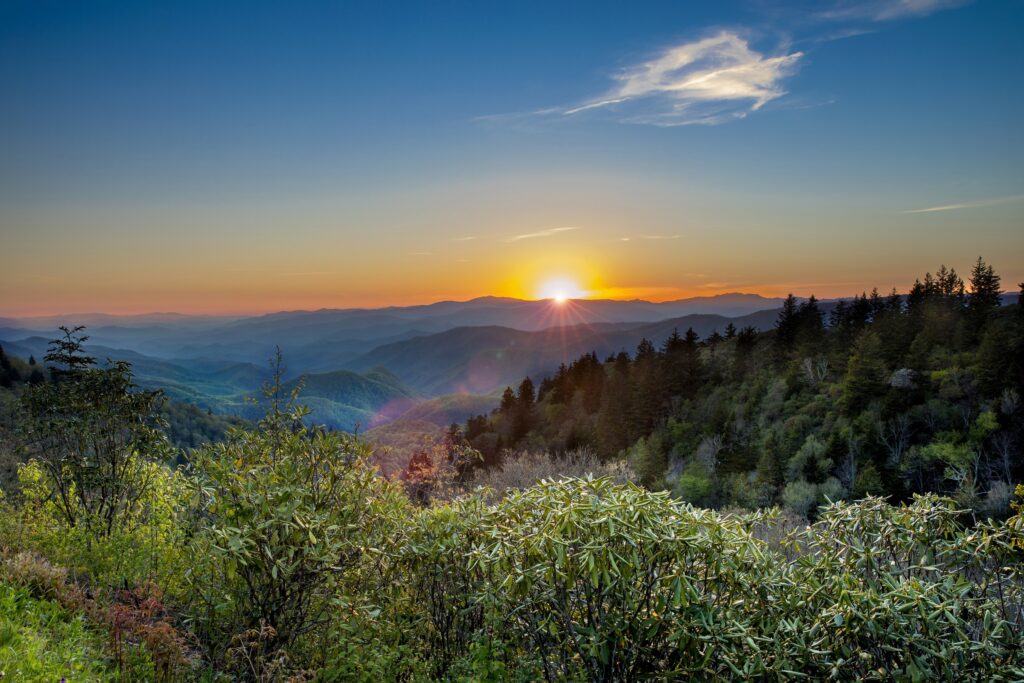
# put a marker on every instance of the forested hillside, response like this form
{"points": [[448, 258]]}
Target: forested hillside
{"points": [[279, 553], [890, 395]]}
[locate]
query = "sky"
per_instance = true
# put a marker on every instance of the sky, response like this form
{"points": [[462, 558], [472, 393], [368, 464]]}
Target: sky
{"points": [[248, 157]]}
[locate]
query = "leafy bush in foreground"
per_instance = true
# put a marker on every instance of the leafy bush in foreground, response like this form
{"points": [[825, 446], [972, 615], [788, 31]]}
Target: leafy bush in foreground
{"points": [[586, 580], [284, 518]]}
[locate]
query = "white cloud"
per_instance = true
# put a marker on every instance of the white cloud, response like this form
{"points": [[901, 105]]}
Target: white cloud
{"points": [[888, 10], [969, 205], [707, 81], [467, 238], [540, 233]]}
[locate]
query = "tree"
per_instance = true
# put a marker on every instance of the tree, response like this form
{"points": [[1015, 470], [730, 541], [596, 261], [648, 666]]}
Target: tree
{"points": [[508, 401], [786, 327], [746, 340], [865, 373], [93, 432], [647, 390], [984, 295], [810, 324], [522, 413], [647, 457], [612, 425]]}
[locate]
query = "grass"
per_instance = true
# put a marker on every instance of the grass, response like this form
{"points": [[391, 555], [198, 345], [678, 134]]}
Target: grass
{"points": [[39, 641]]}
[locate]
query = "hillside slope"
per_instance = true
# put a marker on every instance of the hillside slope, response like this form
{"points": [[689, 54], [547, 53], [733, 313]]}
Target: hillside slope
{"points": [[482, 359]]}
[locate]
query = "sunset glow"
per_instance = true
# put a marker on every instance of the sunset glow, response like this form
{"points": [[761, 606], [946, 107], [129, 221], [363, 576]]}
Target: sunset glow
{"points": [[673, 159], [561, 290]]}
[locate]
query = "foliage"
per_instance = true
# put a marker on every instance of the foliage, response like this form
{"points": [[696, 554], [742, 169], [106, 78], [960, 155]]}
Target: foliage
{"points": [[284, 515], [614, 583], [40, 641], [91, 434], [885, 394], [583, 579], [524, 469], [281, 554], [907, 593]]}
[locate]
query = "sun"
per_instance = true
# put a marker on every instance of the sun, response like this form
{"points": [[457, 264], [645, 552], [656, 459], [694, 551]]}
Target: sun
{"points": [[561, 289]]}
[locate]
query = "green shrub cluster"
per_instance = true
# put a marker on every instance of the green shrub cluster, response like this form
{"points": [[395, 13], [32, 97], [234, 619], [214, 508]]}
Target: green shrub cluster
{"points": [[587, 580]]}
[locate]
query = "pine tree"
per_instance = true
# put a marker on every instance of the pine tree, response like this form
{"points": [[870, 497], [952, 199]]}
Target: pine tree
{"points": [[984, 295], [508, 401], [522, 420], [612, 429], [647, 390], [786, 327], [810, 324], [866, 373]]}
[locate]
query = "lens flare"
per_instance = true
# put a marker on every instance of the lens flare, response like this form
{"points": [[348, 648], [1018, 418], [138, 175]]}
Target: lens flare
{"points": [[561, 289]]}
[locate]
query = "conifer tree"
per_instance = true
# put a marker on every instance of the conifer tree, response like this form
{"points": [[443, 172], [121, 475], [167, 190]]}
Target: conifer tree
{"points": [[984, 295], [865, 373], [786, 327]]}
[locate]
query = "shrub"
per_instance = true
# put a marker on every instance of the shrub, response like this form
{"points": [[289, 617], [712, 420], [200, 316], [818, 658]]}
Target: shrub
{"points": [[523, 469], [284, 517], [147, 543], [615, 583], [906, 593]]}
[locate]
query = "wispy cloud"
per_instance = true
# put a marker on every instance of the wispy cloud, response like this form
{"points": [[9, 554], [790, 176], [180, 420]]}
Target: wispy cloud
{"points": [[706, 81], [969, 205], [649, 237], [888, 10], [422, 253], [540, 233], [467, 238]]}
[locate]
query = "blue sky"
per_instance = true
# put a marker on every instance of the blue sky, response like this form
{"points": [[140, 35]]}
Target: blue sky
{"points": [[246, 156]]}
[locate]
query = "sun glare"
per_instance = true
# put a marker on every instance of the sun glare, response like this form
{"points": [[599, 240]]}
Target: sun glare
{"points": [[561, 290]]}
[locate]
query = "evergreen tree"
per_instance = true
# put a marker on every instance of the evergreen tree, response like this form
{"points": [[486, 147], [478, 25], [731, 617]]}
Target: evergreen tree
{"points": [[992, 359], [810, 325], [612, 428], [865, 373], [746, 340], [647, 388], [522, 420], [786, 327], [508, 401], [526, 397], [984, 295]]}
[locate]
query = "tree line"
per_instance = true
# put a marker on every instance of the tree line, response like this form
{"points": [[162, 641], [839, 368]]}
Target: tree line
{"points": [[880, 394]]}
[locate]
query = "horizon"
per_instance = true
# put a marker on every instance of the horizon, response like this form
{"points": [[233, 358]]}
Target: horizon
{"points": [[554, 301], [374, 308], [237, 160]]}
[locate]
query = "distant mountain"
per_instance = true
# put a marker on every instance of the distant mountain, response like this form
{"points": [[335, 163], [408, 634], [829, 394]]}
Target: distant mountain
{"points": [[328, 339], [450, 409], [347, 400], [482, 359], [341, 399]]}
